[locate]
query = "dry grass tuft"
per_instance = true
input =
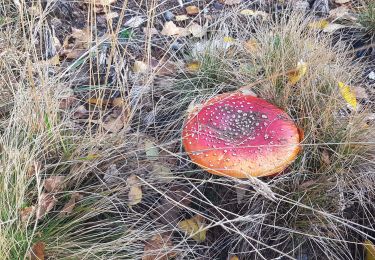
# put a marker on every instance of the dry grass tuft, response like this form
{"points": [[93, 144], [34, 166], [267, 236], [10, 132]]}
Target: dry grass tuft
{"points": [[322, 205]]}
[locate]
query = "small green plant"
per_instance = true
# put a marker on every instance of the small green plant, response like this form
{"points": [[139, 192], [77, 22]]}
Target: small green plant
{"points": [[367, 17]]}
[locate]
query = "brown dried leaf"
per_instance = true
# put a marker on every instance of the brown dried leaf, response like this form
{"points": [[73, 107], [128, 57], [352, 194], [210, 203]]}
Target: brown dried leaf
{"points": [[80, 112], [114, 123], [68, 102], [37, 251], [171, 29], [192, 10], [33, 169], [325, 157], [69, 206], [159, 248], [76, 43], [54, 183], [46, 204], [119, 102], [26, 214], [164, 67], [230, 2], [197, 30], [251, 46]]}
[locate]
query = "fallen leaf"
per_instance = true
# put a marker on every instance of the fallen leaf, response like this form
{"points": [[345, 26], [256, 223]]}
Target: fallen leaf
{"points": [[33, 169], [164, 67], [80, 112], [135, 21], [197, 30], [115, 122], [192, 9], [171, 29], [111, 15], [68, 102], [69, 206], [348, 94], [119, 102], [100, 102], [150, 31], [100, 2], [140, 67], [320, 25], [112, 175], [37, 251], [248, 92], [159, 247], [182, 17], [152, 151], [162, 172], [194, 227], [135, 192], [247, 12], [360, 92], [298, 73], [332, 27], [234, 257], [76, 43], [26, 214], [369, 249], [228, 39], [251, 45], [326, 158], [342, 1], [230, 2], [341, 13], [53, 183], [54, 61], [193, 66], [45, 205]]}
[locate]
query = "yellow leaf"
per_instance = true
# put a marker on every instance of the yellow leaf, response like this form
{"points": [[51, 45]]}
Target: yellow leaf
{"points": [[228, 39], [135, 192], [194, 227], [234, 258], [298, 73], [348, 94], [320, 25], [193, 66], [54, 61], [247, 12], [369, 250], [98, 101]]}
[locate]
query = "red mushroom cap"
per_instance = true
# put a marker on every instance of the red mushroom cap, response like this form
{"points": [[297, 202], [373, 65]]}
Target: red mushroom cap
{"points": [[240, 136]]}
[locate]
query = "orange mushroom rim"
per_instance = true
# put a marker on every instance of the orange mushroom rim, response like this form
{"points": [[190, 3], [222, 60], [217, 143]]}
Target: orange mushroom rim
{"points": [[241, 136]]}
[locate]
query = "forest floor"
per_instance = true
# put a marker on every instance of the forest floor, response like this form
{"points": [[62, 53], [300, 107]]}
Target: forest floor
{"points": [[94, 96]]}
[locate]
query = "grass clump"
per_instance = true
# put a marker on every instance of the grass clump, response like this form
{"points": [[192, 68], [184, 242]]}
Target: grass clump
{"points": [[321, 205], [367, 16]]}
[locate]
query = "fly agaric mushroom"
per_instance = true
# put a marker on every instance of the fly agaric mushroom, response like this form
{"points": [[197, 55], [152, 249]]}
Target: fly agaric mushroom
{"points": [[240, 135]]}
